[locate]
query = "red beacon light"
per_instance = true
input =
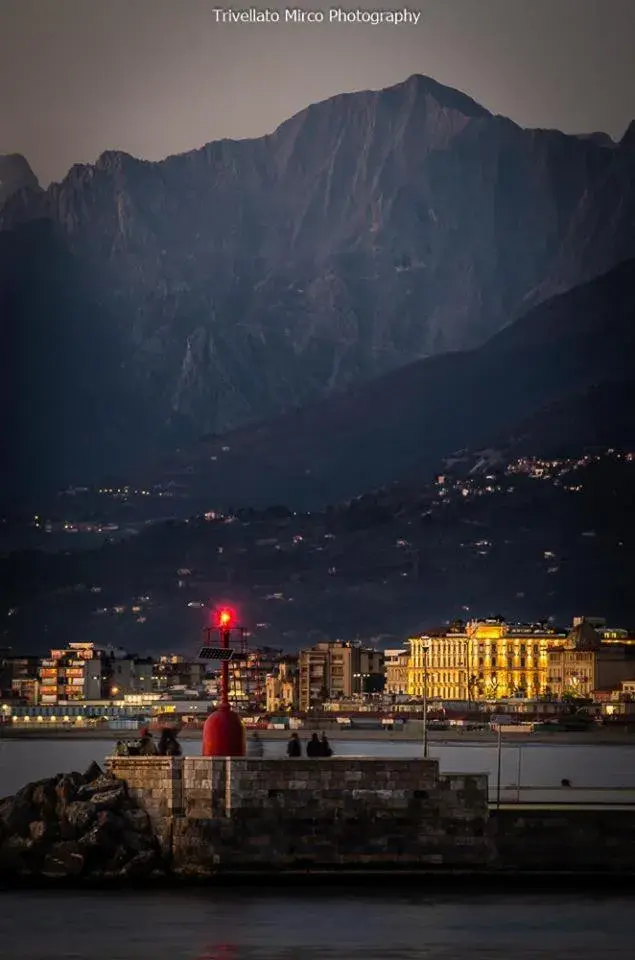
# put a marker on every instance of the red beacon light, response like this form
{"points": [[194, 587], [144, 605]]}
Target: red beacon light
{"points": [[225, 618], [223, 731]]}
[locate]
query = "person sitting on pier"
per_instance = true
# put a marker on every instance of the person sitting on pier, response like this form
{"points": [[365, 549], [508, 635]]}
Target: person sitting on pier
{"points": [[325, 747], [314, 747], [169, 746], [255, 746], [147, 746], [294, 747]]}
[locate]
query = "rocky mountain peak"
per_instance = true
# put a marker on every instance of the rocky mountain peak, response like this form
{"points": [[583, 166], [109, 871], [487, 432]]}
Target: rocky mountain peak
{"points": [[114, 160], [419, 85], [15, 174]]}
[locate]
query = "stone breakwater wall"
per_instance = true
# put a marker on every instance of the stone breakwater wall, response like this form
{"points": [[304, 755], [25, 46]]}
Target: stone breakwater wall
{"points": [[553, 840], [223, 814]]}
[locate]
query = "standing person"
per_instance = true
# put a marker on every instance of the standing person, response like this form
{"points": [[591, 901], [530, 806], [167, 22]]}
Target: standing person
{"points": [[147, 746], [294, 747], [169, 746], [325, 747], [313, 747], [255, 746]]}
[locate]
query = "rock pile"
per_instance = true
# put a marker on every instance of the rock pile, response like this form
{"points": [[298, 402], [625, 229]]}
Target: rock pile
{"points": [[76, 826]]}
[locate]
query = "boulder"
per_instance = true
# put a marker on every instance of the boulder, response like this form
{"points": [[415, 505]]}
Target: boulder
{"points": [[109, 799], [66, 788], [113, 822], [42, 832], [80, 816], [18, 814], [100, 785], [97, 838], [142, 865], [136, 820], [65, 859], [93, 772], [70, 826], [135, 842]]}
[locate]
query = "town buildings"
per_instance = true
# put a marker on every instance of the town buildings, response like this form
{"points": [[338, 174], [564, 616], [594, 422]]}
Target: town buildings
{"points": [[465, 663], [338, 670]]}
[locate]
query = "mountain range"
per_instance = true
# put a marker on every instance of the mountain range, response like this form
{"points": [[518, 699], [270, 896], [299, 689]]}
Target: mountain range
{"points": [[564, 371], [377, 234]]}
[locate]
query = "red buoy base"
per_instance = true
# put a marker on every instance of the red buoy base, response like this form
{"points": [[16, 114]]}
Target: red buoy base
{"points": [[224, 734]]}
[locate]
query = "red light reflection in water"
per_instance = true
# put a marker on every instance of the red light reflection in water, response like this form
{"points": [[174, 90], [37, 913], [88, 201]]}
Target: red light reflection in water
{"points": [[220, 951]]}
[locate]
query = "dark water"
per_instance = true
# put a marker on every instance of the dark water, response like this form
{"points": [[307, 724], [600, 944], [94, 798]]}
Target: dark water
{"points": [[339, 926]]}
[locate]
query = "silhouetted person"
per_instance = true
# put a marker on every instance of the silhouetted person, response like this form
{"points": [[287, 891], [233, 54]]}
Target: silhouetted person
{"points": [[325, 747], [169, 746], [565, 783], [147, 746], [314, 747], [294, 747], [255, 746]]}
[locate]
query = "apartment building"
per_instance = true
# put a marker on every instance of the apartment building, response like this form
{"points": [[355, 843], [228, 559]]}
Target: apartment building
{"points": [[337, 670]]}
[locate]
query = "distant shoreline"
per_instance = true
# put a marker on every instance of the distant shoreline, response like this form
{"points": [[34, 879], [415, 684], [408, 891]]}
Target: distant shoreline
{"points": [[453, 737]]}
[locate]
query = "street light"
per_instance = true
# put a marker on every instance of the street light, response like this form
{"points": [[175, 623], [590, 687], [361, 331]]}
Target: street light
{"points": [[424, 653]]}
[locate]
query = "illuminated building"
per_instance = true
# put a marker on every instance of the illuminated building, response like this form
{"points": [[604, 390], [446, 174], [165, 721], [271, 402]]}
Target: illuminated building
{"points": [[282, 688], [588, 663], [173, 670], [396, 670], [19, 677], [332, 671], [483, 660], [248, 673], [85, 671]]}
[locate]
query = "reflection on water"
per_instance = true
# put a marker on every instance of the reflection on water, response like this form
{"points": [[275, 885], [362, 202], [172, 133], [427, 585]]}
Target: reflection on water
{"points": [[238, 925]]}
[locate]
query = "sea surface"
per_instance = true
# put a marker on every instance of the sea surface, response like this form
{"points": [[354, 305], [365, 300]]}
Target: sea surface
{"points": [[343, 925], [529, 772]]}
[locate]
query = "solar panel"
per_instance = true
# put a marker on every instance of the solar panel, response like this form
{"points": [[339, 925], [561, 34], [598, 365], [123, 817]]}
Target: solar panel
{"points": [[215, 653]]}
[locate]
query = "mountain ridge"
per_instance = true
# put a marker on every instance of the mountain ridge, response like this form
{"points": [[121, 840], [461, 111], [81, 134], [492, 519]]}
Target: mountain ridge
{"points": [[373, 434], [249, 277]]}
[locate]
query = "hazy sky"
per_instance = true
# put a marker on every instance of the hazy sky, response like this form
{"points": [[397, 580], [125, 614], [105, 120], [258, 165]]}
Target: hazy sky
{"points": [[155, 77]]}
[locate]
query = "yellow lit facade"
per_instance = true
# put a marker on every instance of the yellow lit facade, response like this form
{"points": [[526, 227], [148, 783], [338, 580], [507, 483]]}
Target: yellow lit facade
{"points": [[485, 660], [282, 686]]}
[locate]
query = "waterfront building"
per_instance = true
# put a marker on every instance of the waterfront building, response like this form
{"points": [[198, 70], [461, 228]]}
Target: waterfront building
{"points": [[396, 671], [482, 660], [83, 671], [174, 670], [586, 664], [248, 671], [337, 670], [282, 686], [19, 677]]}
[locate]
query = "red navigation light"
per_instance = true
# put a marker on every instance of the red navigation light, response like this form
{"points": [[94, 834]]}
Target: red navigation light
{"points": [[225, 618]]}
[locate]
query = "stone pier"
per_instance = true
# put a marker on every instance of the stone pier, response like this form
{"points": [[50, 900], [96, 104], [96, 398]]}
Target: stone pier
{"points": [[221, 814]]}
